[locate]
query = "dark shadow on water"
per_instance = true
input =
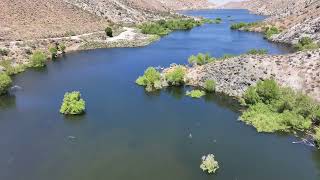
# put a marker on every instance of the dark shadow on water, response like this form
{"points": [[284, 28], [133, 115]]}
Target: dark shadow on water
{"points": [[74, 119], [223, 101], [176, 92], [7, 101]]}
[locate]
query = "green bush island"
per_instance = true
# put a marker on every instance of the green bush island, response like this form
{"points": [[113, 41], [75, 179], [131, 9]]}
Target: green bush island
{"points": [[273, 108], [201, 59], [196, 93], [209, 164], [218, 20], [210, 85], [38, 59], [257, 51], [73, 104], [5, 83], [306, 43], [108, 31], [175, 76], [151, 79], [270, 31]]}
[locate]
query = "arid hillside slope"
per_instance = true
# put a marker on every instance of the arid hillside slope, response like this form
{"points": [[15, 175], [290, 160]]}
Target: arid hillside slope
{"points": [[33, 19]]}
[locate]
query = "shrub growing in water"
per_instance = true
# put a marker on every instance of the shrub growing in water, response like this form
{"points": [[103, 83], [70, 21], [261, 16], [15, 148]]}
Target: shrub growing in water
{"points": [[38, 59], [196, 93], [108, 31], [151, 79], [209, 164], [72, 104], [257, 51], [306, 43], [210, 85], [201, 59], [5, 83], [175, 76]]}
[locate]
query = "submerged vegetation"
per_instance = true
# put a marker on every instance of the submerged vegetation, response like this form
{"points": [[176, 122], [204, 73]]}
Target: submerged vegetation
{"points": [[201, 59], [164, 27], [306, 43], [72, 104], [273, 108], [5, 83], [209, 164], [196, 93]]}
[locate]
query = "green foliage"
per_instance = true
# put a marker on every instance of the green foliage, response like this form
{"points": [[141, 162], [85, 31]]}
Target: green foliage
{"points": [[316, 136], [151, 79], [72, 104], [226, 56], [108, 31], [164, 27], [10, 69], [218, 20], [243, 25], [62, 47], [207, 21], [270, 31], [38, 59], [273, 108], [257, 51], [53, 51], [209, 164], [175, 76], [201, 59], [5, 83], [4, 52], [196, 93], [306, 43], [210, 85]]}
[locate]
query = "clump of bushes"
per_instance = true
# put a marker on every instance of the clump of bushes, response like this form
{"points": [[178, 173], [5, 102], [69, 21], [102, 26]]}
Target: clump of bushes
{"points": [[209, 164], [218, 20], [53, 51], [62, 47], [243, 25], [201, 59], [273, 108], [270, 31], [210, 85], [5, 83], [11, 69], [73, 104], [257, 51], [164, 27], [196, 93], [176, 75], [151, 79], [38, 59], [306, 43], [316, 136], [108, 31]]}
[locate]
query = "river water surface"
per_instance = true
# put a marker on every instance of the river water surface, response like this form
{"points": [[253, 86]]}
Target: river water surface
{"points": [[129, 134]]}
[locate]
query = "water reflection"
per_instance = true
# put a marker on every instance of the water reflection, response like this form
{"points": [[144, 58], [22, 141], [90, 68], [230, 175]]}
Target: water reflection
{"points": [[7, 102]]}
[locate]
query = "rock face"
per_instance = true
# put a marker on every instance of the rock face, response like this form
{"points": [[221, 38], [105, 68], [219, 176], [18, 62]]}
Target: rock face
{"points": [[298, 18], [300, 71]]}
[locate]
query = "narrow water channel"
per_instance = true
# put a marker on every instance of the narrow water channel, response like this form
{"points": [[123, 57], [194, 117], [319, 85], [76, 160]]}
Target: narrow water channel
{"points": [[130, 134]]}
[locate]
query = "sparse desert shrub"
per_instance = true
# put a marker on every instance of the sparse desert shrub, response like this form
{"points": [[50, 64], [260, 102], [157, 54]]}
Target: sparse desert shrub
{"points": [[73, 104], [62, 47], [4, 52], [38, 59], [306, 43], [108, 31], [196, 93], [257, 51], [270, 31], [151, 79], [5, 83], [201, 59], [53, 51], [210, 85], [209, 164], [11, 69], [175, 76]]}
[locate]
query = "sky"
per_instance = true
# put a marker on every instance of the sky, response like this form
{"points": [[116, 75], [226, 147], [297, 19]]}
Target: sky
{"points": [[222, 1]]}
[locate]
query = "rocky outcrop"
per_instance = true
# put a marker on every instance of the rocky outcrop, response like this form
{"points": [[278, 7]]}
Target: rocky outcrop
{"points": [[300, 71]]}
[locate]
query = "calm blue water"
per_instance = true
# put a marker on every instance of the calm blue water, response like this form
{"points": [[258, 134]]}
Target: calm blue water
{"points": [[129, 134]]}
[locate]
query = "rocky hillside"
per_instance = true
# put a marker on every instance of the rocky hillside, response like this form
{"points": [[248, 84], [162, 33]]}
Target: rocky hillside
{"points": [[298, 18], [300, 71], [34, 19]]}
